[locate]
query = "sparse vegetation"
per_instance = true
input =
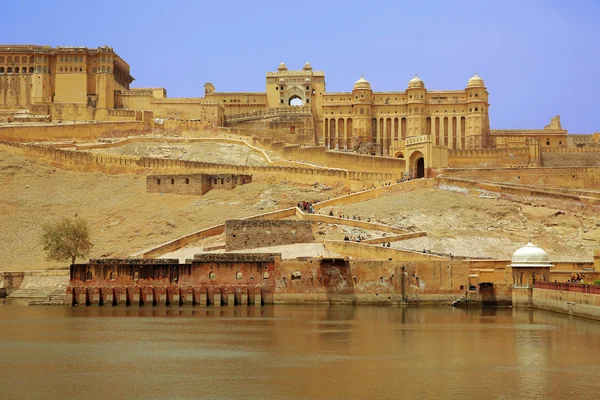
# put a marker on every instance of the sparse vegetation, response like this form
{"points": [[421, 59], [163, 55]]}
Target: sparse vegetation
{"points": [[66, 240]]}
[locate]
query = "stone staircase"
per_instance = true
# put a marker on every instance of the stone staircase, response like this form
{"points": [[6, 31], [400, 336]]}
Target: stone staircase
{"points": [[54, 297], [43, 287]]}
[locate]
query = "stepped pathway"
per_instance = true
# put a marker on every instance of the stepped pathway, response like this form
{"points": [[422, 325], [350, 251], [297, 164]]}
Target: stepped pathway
{"points": [[49, 287]]}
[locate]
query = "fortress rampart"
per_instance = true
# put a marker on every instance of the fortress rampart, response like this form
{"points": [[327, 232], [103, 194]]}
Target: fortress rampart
{"points": [[78, 131], [82, 161], [549, 177]]}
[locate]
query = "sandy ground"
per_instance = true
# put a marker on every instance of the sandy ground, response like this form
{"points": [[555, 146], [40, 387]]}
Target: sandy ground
{"points": [[208, 152], [123, 218], [481, 227]]}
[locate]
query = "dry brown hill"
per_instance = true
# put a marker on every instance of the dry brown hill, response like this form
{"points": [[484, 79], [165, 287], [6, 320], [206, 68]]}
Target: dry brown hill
{"points": [[123, 217]]}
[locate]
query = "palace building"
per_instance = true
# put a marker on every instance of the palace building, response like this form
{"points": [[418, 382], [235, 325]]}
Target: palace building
{"points": [[74, 83], [42, 83]]}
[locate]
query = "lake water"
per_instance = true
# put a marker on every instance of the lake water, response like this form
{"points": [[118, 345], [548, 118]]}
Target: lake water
{"points": [[295, 352]]}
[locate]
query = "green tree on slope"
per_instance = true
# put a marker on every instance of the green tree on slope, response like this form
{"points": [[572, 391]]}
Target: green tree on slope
{"points": [[66, 240]]}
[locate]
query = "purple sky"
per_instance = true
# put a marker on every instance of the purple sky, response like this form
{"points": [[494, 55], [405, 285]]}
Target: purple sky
{"points": [[538, 58]]}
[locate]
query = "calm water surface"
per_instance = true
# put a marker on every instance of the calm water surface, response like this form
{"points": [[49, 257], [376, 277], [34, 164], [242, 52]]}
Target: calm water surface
{"points": [[294, 352]]}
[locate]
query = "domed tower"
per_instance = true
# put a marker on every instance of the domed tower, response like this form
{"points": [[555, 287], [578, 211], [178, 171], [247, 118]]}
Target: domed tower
{"points": [[529, 264], [416, 95], [478, 122], [362, 103]]}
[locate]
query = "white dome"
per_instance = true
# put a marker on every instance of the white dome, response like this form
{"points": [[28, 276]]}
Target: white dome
{"points": [[530, 256], [307, 66], [282, 67]]}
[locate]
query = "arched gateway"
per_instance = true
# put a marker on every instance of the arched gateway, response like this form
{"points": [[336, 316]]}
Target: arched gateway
{"points": [[417, 165]]}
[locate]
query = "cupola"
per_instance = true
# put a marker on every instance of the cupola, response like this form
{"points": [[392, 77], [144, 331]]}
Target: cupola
{"points": [[416, 83], [362, 83], [475, 81]]}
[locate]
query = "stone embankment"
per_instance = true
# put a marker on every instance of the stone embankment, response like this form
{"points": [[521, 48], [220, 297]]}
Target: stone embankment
{"points": [[43, 287]]}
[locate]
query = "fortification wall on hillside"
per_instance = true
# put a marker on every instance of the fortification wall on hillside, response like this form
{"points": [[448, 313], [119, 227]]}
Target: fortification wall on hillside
{"points": [[571, 157], [334, 159], [488, 158], [573, 177], [83, 161], [79, 131]]}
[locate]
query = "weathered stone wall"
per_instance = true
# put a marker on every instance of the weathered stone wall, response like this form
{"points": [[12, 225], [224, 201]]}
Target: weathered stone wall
{"points": [[40, 133], [82, 161], [573, 303], [194, 184], [571, 157], [570, 199], [211, 279], [333, 159], [489, 158], [245, 234], [573, 177]]}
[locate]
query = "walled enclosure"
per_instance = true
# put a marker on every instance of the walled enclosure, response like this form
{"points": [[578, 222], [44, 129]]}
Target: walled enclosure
{"points": [[194, 184], [248, 234], [205, 279]]}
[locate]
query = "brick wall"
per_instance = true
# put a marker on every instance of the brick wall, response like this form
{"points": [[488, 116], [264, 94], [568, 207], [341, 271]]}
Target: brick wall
{"points": [[243, 234]]}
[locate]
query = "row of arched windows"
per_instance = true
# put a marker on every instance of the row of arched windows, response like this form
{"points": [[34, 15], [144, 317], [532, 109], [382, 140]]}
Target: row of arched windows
{"points": [[23, 70], [71, 59], [16, 60], [71, 69]]}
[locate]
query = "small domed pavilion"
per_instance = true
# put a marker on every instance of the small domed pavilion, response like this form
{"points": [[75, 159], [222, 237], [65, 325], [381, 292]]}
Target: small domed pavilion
{"points": [[530, 263]]}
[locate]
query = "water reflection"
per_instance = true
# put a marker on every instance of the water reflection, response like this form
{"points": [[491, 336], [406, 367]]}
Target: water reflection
{"points": [[288, 352]]}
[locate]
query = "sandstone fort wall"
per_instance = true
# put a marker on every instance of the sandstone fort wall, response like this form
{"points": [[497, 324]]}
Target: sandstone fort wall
{"points": [[248, 234], [82, 161], [193, 184], [40, 133], [488, 158], [570, 178], [566, 199], [571, 157]]}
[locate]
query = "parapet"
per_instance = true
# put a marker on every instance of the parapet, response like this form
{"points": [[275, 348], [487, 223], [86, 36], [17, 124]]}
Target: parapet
{"points": [[136, 261], [236, 257]]}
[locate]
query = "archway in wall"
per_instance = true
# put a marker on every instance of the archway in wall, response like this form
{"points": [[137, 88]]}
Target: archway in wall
{"points": [[295, 101], [399, 155], [417, 165]]}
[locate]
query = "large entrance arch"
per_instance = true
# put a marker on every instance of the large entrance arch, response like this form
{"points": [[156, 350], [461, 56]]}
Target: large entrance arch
{"points": [[417, 165], [295, 100]]}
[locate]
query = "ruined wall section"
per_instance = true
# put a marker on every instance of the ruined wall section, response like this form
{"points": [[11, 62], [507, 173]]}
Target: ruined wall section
{"points": [[194, 184], [244, 234]]}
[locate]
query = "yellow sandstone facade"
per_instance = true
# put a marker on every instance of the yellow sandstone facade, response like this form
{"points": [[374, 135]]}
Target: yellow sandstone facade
{"points": [[426, 128], [72, 83]]}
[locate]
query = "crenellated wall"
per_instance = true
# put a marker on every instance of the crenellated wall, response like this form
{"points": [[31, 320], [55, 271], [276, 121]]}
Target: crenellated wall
{"points": [[489, 158], [548, 177], [83, 161], [571, 157], [40, 133]]}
